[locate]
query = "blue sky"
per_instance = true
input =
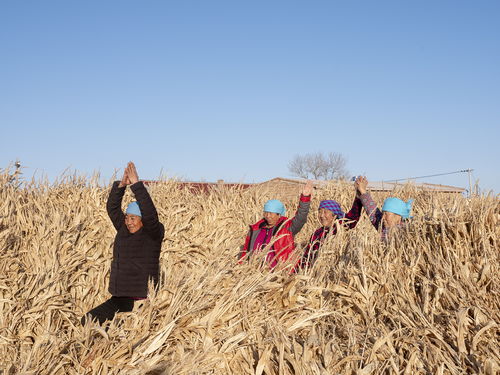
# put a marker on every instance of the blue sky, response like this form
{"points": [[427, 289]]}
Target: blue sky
{"points": [[205, 90]]}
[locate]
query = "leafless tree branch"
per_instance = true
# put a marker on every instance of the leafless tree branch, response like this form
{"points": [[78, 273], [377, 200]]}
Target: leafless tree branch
{"points": [[319, 166]]}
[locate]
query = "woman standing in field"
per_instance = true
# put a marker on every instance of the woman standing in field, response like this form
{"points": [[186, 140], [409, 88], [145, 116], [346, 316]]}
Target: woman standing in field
{"points": [[136, 250], [278, 230], [329, 214], [393, 214]]}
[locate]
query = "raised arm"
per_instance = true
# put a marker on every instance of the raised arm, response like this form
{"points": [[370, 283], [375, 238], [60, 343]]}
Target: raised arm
{"points": [[373, 212], [114, 204], [148, 210], [300, 217], [352, 217]]}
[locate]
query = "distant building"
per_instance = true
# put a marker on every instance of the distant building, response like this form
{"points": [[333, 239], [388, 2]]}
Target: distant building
{"points": [[435, 188], [290, 186], [295, 185], [205, 187]]}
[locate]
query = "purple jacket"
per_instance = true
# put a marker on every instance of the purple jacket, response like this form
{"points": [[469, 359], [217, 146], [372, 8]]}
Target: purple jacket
{"points": [[349, 221], [375, 215]]}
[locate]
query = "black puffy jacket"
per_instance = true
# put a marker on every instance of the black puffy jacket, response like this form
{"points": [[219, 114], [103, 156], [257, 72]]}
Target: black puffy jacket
{"points": [[136, 257]]}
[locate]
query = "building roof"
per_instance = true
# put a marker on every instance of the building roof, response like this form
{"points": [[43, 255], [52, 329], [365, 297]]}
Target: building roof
{"points": [[388, 186], [198, 186], [376, 185]]}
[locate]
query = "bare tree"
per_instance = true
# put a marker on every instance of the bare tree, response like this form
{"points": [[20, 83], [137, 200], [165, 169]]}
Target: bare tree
{"points": [[319, 166]]}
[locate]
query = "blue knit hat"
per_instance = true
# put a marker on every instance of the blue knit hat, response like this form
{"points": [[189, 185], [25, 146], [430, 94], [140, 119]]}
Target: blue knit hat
{"points": [[275, 206], [133, 209], [332, 206], [397, 206]]}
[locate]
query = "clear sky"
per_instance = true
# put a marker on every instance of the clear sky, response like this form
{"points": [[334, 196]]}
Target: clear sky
{"points": [[208, 90]]}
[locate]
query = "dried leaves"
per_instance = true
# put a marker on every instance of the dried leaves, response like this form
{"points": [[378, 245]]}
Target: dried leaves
{"points": [[426, 303]]}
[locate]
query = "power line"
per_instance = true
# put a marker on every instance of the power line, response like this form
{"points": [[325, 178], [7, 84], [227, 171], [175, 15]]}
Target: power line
{"points": [[431, 175]]}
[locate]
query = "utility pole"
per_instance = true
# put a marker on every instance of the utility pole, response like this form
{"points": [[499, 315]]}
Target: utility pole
{"points": [[469, 171]]}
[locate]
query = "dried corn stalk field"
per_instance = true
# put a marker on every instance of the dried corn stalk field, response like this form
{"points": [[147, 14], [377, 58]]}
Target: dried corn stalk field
{"points": [[427, 303]]}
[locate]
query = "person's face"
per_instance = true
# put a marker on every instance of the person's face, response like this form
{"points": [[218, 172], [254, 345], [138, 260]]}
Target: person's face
{"points": [[390, 219], [133, 223], [326, 217], [271, 217]]}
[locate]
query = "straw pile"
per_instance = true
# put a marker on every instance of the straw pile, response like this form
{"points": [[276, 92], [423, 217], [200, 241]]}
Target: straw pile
{"points": [[425, 303]]}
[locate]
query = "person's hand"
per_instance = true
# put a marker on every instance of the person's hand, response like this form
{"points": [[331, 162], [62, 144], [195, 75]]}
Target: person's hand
{"points": [[308, 188], [125, 179], [361, 183], [132, 173]]}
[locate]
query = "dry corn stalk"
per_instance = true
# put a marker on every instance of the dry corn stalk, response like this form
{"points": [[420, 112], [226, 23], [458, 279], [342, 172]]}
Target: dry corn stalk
{"points": [[427, 303]]}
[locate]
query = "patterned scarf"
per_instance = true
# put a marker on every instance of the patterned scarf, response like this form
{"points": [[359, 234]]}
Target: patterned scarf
{"points": [[332, 206]]}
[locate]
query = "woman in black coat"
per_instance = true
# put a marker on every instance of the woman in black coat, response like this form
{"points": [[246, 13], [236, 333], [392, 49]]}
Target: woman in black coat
{"points": [[136, 250]]}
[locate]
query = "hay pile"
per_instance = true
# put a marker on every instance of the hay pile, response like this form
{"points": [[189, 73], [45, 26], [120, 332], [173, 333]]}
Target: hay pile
{"points": [[427, 303]]}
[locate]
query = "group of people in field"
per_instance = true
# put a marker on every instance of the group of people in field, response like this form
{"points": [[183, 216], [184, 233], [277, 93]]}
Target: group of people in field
{"points": [[137, 245], [275, 232]]}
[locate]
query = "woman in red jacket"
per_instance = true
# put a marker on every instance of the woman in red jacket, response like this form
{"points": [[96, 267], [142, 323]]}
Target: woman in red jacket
{"points": [[277, 229]]}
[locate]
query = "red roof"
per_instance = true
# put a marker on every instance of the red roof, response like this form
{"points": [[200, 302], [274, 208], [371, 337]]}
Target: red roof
{"points": [[205, 187]]}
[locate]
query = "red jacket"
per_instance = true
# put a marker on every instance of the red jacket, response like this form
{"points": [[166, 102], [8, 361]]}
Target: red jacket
{"points": [[284, 230]]}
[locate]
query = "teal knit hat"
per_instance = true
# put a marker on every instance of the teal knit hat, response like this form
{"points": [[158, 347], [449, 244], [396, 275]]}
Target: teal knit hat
{"points": [[397, 206], [133, 209], [275, 206]]}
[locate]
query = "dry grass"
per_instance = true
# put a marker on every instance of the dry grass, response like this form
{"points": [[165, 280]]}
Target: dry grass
{"points": [[427, 303]]}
